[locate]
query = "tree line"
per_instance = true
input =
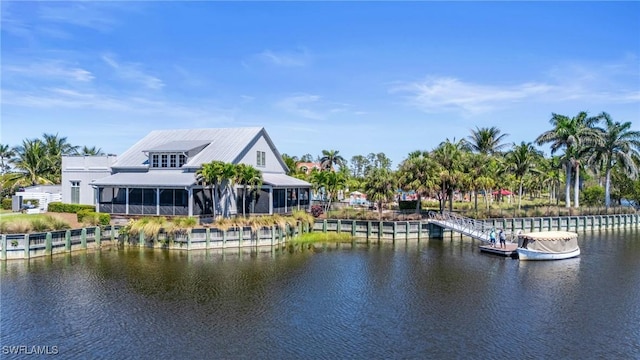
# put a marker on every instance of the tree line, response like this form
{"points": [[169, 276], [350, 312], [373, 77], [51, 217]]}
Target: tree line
{"points": [[588, 153], [37, 161]]}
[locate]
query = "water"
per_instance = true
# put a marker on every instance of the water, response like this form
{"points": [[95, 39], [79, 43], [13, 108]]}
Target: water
{"points": [[435, 299]]}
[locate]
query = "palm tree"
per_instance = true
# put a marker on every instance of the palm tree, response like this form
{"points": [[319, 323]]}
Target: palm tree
{"points": [[6, 153], [380, 187], [448, 155], [486, 140], [330, 158], [522, 160], [229, 177], [56, 148], [576, 136], [619, 147], [291, 162], [33, 164], [250, 178], [90, 151], [211, 174], [420, 174]]}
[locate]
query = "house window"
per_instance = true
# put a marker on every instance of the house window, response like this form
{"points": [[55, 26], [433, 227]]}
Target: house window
{"points": [[261, 159], [75, 192], [183, 160], [173, 160], [164, 161], [154, 160]]}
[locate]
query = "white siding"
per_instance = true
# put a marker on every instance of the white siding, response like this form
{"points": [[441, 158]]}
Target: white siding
{"points": [[84, 169], [273, 164]]}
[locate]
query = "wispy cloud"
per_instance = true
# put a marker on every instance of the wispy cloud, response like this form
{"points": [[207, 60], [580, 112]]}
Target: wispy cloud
{"points": [[296, 58], [300, 105], [92, 15], [49, 70], [603, 83], [132, 72], [445, 94]]}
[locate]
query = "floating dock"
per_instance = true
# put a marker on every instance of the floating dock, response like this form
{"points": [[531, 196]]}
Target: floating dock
{"points": [[509, 250]]}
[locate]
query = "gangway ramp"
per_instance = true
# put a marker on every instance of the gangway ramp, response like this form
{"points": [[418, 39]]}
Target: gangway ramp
{"points": [[476, 229]]}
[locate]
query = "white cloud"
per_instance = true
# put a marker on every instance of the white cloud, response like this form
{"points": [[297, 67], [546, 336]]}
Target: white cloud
{"points": [[131, 72], [285, 58], [585, 83], [300, 105], [50, 70], [444, 94]]}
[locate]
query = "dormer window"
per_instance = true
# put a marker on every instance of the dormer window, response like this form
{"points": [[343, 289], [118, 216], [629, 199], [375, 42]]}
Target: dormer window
{"points": [[167, 160], [174, 154]]}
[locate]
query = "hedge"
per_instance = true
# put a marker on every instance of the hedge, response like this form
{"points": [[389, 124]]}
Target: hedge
{"points": [[407, 204], [69, 208], [92, 217], [7, 204]]}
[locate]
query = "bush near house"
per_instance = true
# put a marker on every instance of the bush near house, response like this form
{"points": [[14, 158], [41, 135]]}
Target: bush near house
{"points": [[93, 218], [407, 204], [6, 204], [69, 208]]}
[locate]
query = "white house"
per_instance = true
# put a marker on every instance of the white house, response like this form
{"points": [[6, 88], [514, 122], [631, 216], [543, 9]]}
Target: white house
{"points": [[44, 194], [157, 175], [78, 172]]}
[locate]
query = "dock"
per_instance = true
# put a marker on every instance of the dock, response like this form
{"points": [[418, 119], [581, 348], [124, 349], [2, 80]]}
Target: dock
{"points": [[509, 250]]}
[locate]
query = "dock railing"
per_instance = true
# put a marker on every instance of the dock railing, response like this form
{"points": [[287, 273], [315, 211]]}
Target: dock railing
{"points": [[477, 229]]}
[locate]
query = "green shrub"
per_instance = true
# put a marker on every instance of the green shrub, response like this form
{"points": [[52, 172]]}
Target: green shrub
{"points": [[7, 203], [592, 196], [407, 204], [90, 217], [69, 208]]}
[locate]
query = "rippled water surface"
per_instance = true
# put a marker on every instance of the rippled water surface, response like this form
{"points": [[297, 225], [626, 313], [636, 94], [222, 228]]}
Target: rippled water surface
{"points": [[433, 299]]}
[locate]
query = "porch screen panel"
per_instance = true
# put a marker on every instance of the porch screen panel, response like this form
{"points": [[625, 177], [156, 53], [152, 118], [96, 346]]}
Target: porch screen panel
{"points": [[119, 200], [260, 201], [166, 201], [135, 201], [304, 198], [181, 206], [105, 200], [279, 201], [149, 201]]}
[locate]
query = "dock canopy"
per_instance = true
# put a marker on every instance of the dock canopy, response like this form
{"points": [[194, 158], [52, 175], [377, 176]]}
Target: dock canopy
{"points": [[549, 241]]}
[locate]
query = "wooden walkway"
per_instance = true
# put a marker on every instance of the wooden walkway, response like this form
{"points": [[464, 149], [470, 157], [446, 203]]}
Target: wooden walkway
{"points": [[509, 250]]}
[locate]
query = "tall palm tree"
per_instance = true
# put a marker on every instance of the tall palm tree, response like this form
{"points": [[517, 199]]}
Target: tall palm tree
{"points": [[448, 155], [250, 178], [486, 140], [6, 153], [33, 165], [420, 174], [576, 136], [211, 174], [522, 160], [380, 187], [291, 162], [57, 147], [620, 146], [90, 151], [330, 158]]}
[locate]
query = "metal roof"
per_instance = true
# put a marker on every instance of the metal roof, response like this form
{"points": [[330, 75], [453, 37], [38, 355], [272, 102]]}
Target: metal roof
{"points": [[184, 145], [153, 178], [224, 145], [283, 180]]}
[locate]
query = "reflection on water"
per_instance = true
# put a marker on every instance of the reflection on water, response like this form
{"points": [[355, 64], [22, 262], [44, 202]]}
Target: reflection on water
{"points": [[433, 299]]}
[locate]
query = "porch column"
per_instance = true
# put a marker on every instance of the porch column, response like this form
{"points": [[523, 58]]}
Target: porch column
{"points": [[271, 200], [158, 201], [96, 199], [190, 191], [126, 201]]}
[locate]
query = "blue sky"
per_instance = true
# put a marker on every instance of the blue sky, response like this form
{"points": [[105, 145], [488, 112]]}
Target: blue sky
{"points": [[357, 77]]}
